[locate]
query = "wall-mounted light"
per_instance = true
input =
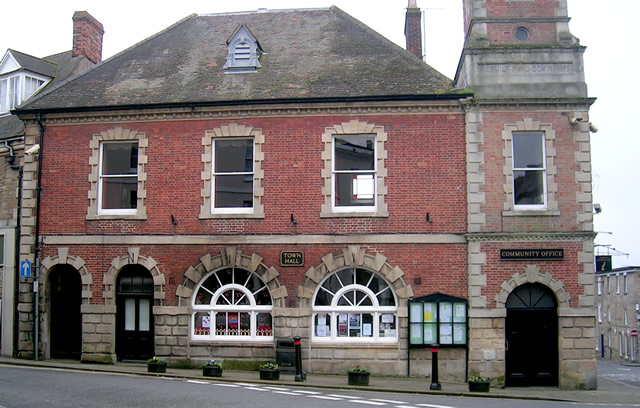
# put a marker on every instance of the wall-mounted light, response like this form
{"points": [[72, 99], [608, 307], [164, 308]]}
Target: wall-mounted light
{"points": [[428, 218], [597, 208], [173, 220], [293, 220]]}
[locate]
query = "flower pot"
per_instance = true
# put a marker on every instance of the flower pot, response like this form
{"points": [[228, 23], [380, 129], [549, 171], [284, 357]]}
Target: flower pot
{"points": [[157, 367], [479, 386], [356, 378], [269, 374], [211, 371]]}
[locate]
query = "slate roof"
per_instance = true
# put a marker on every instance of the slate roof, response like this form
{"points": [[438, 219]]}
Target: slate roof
{"points": [[310, 53], [34, 64]]}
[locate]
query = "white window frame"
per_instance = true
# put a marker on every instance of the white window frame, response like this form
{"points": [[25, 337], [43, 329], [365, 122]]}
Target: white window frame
{"points": [[528, 207], [101, 176], [625, 284], [609, 313], [600, 285], [335, 173], [333, 311], [599, 312], [617, 283], [15, 90], [626, 317], [232, 210], [212, 308]]}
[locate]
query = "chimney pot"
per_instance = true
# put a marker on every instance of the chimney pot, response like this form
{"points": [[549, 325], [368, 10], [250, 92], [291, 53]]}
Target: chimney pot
{"points": [[87, 37]]}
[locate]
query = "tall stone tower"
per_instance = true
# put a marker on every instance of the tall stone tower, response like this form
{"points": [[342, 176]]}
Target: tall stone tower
{"points": [[529, 195], [520, 48]]}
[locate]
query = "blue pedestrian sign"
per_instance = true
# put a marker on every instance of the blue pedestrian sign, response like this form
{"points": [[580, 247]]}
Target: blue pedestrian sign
{"points": [[25, 269]]}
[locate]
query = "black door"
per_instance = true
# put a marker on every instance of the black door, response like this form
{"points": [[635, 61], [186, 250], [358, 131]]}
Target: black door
{"points": [[134, 317], [65, 320], [531, 337]]}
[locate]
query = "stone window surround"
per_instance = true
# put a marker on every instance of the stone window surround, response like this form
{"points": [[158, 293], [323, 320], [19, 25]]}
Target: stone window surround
{"points": [[133, 257], [354, 127], [229, 131], [530, 125], [122, 135]]}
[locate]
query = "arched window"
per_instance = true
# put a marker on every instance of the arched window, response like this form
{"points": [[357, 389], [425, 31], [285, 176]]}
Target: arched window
{"points": [[355, 305], [232, 304]]}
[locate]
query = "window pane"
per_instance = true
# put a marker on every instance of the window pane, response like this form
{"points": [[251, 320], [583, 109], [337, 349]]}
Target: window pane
{"points": [[322, 325], [355, 189], [387, 325], [363, 276], [385, 298], [144, 309], [119, 158], [367, 325], [332, 284], [323, 298], [343, 325], [264, 324], [201, 323], [527, 151], [130, 314], [263, 298], [354, 324], [119, 192], [355, 152], [347, 276], [4, 104], [528, 187], [233, 156], [234, 191], [245, 324]]}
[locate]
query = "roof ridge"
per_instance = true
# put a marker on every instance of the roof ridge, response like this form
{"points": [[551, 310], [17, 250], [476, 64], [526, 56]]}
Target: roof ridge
{"points": [[263, 10]]}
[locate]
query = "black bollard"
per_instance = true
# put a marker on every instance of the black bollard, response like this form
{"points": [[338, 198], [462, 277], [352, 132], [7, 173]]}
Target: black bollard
{"points": [[300, 376], [435, 384]]}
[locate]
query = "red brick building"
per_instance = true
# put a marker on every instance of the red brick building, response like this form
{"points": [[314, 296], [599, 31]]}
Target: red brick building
{"points": [[243, 178]]}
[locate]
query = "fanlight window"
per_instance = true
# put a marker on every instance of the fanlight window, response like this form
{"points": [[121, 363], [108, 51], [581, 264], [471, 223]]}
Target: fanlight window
{"points": [[232, 304], [355, 305]]}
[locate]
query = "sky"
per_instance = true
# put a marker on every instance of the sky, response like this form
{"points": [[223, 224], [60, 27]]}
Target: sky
{"points": [[611, 63]]}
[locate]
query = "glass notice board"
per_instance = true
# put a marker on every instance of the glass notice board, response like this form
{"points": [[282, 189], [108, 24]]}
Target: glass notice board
{"points": [[438, 321]]}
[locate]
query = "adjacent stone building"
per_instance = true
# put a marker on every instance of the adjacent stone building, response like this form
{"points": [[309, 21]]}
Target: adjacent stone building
{"points": [[242, 178], [21, 77], [618, 305]]}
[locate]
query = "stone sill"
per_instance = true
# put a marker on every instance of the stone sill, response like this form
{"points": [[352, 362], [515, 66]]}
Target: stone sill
{"points": [[531, 213]]}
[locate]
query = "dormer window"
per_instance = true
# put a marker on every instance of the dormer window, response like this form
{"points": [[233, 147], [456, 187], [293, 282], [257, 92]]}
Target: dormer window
{"points": [[243, 51]]}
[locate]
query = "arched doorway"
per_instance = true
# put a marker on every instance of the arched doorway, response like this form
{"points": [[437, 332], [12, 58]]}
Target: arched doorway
{"points": [[531, 337], [134, 316], [65, 322]]}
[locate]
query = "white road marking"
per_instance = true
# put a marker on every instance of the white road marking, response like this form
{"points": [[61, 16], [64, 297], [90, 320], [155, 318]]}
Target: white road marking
{"points": [[388, 401], [287, 393], [245, 384], [309, 392], [367, 402], [434, 406], [255, 389], [326, 397], [197, 382], [227, 385], [344, 396], [277, 389]]}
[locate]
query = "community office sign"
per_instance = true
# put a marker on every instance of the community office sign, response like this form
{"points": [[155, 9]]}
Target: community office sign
{"points": [[529, 254]]}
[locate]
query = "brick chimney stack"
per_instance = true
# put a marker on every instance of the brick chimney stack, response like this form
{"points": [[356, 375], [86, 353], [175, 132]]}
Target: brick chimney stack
{"points": [[87, 36], [413, 29]]}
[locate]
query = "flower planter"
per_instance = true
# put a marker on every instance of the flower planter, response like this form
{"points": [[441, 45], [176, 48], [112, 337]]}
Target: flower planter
{"points": [[269, 374], [356, 378], [157, 367], [212, 371], [479, 386]]}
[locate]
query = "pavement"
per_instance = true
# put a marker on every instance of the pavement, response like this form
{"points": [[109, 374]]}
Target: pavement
{"points": [[609, 391]]}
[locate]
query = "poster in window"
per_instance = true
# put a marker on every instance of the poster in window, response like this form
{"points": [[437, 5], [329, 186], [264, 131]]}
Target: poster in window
{"points": [[430, 334], [446, 311], [416, 312], [430, 312], [415, 334], [206, 322], [446, 333], [354, 321], [387, 318], [459, 313], [342, 325], [459, 334], [366, 330]]}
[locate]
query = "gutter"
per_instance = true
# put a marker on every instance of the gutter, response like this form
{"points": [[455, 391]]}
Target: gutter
{"points": [[381, 98], [36, 280]]}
